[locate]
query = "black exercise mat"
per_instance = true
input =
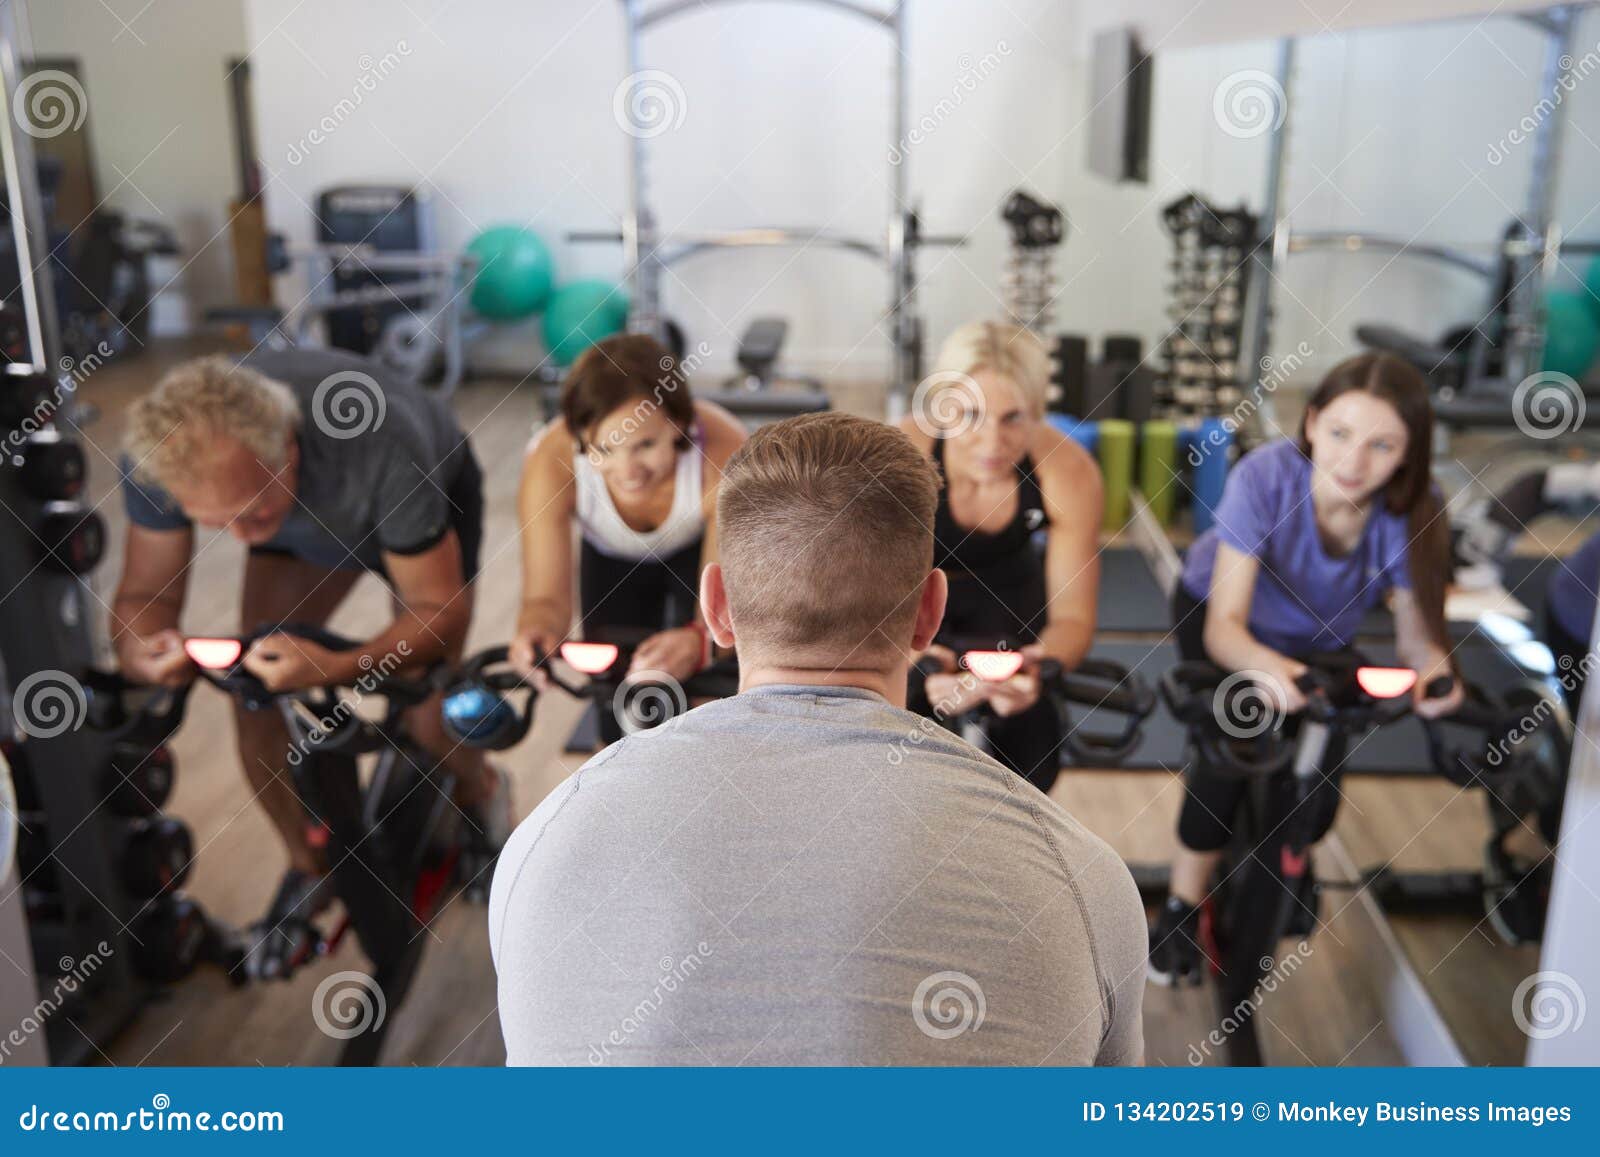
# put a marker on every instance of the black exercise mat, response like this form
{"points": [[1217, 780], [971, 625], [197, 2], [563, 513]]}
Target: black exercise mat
{"points": [[1130, 600]]}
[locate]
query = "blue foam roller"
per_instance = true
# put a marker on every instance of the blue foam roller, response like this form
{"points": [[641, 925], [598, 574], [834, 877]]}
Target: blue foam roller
{"points": [[1085, 434], [1213, 442]]}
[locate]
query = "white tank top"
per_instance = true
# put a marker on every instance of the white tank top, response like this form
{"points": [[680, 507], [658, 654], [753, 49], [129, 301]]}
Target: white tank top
{"points": [[604, 529]]}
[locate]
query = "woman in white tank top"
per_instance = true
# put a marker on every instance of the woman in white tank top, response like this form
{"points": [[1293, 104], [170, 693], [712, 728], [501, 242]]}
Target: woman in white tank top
{"points": [[631, 466]]}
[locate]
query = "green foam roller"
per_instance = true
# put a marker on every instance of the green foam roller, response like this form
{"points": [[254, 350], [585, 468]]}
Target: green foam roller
{"points": [[1158, 460], [1116, 465]]}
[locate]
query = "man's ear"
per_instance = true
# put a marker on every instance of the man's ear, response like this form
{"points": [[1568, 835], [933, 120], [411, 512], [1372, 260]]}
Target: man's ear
{"points": [[714, 604], [930, 609]]}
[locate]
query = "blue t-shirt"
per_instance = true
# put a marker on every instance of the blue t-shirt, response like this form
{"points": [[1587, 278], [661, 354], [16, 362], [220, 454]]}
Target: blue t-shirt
{"points": [[1574, 588], [1305, 599]]}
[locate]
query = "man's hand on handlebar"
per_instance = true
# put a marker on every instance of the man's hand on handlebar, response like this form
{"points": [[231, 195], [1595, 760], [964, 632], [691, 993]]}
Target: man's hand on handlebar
{"points": [[157, 660], [285, 663], [677, 652]]}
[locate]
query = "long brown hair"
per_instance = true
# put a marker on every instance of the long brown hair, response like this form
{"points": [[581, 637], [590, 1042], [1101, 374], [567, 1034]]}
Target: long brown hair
{"points": [[1410, 492]]}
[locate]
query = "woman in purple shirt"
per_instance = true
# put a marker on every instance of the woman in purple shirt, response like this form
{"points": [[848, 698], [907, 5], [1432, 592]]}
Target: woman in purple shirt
{"points": [[1309, 535]]}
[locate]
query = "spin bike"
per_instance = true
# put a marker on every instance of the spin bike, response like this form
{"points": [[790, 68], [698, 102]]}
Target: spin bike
{"points": [[1266, 890], [397, 845]]}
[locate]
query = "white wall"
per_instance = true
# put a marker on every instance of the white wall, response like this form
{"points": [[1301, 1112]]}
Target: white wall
{"points": [[159, 126], [505, 109]]}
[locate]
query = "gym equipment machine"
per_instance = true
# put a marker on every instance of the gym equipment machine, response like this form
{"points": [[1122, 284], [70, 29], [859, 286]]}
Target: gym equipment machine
{"points": [[378, 283], [79, 855], [648, 252], [1515, 334]]}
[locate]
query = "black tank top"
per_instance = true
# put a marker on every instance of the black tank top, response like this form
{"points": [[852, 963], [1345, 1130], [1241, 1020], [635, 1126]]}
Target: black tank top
{"points": [[955, 548], [997, 589]]}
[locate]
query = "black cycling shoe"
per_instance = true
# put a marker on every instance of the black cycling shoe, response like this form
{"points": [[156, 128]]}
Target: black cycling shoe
{"points": [[1175, 953], [1516, 894], [285, 937]]}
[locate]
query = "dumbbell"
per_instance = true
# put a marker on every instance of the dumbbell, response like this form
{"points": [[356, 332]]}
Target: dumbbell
{"points": [[155, 856], [25, 398], [169, 937], [71, 538], [138, 779], [52, 467]]}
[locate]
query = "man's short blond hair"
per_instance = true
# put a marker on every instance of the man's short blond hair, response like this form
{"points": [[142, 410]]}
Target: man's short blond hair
{"points": [[825, 535], [1009, 350], [173, 429]]}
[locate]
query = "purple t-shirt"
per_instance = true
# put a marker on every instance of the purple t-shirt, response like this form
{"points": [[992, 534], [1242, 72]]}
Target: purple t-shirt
{"points": [[1305, 599], [1574, 588]]}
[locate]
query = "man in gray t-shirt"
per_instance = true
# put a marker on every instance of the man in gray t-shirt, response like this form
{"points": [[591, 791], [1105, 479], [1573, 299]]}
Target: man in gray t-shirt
{"points": [[807, 873], [325, 468]]}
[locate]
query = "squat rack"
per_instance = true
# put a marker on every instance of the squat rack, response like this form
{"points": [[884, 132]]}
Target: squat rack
{"points": [[1532, 253], [648, 252]]}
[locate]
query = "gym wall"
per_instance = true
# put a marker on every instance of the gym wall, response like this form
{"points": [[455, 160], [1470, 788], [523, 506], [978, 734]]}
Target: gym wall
{"points": [[785, 121]]}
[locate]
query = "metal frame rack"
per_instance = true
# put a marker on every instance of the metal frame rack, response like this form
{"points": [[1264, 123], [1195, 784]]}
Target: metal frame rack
{"points": [[648, 252], [1531, 252]]}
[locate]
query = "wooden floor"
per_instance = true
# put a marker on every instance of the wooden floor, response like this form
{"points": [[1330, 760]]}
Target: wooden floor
{"points": [[1326, 1014]]}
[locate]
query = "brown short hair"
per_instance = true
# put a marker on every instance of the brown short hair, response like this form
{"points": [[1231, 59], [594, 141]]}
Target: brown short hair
{"points": [[825, 533], [628, 367]]}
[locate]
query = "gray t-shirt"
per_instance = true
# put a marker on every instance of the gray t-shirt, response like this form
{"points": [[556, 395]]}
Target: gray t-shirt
{"points": [[807, 875], [360, 494]]}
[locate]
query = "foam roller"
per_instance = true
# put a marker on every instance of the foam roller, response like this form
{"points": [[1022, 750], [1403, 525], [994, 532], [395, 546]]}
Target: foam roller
{"points": [[1116, 466], [1212, 447], [1158, 463]]}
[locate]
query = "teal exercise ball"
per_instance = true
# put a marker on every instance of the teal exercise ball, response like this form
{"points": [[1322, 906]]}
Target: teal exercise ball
{"points": [[1571, 334], [580, 314], [515, 273], [1591, 283]]}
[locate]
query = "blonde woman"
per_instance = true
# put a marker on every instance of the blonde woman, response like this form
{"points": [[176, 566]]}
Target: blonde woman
{"points": [[1006, 477]]}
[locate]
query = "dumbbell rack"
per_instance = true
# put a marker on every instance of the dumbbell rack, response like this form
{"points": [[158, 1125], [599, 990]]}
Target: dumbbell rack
{"points": [[648, 252], [1210, 279], [1028, 282], [48, 624]]}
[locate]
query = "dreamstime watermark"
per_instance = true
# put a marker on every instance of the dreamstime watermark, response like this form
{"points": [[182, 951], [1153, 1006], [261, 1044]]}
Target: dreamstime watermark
{"points": [[347, 1004], [1244, 706], [1547, 405], [1274, 372], [1549, 1004], [372, 71], [71, 976], [674, 974], [370, 681], [1532, 721], [948, 404], [648, 103], [1249, 103], [48, 103], [648, 700], [73, 373], [49, 703], [1240, 1014], [347, 404], [1572, 71], [675, 374], [947, 1004], [972, 73]]}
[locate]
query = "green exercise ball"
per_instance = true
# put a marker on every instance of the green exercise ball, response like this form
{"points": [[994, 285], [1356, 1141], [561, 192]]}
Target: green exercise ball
{"points": [[1591, 283], [515, 273], [580, 314], [1571, 333]]}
